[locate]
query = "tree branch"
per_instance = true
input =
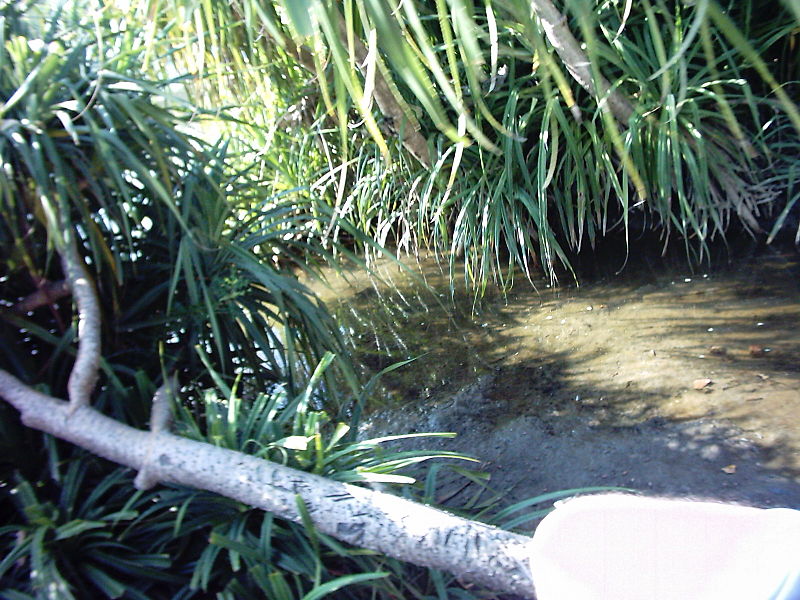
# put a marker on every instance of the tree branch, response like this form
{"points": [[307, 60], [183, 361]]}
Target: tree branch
{"points": [[48, 293], [160, 419], [378, 521], [577, 62], [87, 361], [382, 522], [390, 108]]}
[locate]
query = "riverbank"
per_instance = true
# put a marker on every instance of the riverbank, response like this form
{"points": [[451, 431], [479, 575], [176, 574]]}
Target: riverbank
{"points": [[666, 381]]}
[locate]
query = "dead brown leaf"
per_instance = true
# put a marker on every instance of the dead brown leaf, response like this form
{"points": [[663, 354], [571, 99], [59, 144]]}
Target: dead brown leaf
{"points": [[700, 384]]}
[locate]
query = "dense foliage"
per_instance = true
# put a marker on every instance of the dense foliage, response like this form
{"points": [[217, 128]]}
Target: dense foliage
{"points": [[190, 250], [344, 126], [524, 167], [195, 258], [192, 259]]}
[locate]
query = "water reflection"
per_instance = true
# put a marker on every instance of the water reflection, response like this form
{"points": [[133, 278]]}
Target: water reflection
{"points": [[616, 352]]}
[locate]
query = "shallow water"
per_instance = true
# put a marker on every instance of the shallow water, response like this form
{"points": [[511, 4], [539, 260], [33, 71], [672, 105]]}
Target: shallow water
{"points": [[651, 348]]}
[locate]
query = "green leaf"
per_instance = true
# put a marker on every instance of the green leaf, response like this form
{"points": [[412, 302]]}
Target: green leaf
{"points": [[77, 527], [107, 584], [299, 13], [340, 582]]}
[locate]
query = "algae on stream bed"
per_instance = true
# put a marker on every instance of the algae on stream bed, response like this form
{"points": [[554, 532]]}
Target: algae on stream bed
{"points": [[676, 383]]}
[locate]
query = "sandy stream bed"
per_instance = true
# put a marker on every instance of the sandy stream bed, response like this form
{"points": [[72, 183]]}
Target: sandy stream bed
{"points": [[660, 380]]}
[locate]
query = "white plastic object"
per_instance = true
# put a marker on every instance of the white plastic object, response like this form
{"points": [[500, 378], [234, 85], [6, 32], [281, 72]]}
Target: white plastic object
{"points": [[624, 547]]}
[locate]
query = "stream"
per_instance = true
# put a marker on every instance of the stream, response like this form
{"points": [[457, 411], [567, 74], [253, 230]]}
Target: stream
{"points": [[661, 379]]}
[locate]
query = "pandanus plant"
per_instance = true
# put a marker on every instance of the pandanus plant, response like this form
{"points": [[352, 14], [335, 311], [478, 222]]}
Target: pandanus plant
{"points": [[514, 132], [192, 254]]}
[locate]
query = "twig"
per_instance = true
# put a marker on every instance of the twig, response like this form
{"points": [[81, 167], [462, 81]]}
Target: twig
{"points": [[48, 293]]}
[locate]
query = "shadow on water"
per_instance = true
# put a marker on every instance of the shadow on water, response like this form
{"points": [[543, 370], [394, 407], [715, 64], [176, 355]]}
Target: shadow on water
{"points": [[676, 382]]}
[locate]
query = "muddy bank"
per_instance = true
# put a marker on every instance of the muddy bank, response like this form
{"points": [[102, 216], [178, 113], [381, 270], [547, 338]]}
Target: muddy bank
{"points": [[661, 380], [527, 454]]}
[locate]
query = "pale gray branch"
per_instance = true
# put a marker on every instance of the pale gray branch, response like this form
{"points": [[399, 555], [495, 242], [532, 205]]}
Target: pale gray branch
{"points": [[383, 522], [84, 373], [161, 413], [160, 419], [577, 62]]}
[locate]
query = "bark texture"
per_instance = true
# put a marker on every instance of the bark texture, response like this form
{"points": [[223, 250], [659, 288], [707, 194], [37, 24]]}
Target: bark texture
{"points": [[577, 62], [388, 524], [87, 362]]}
